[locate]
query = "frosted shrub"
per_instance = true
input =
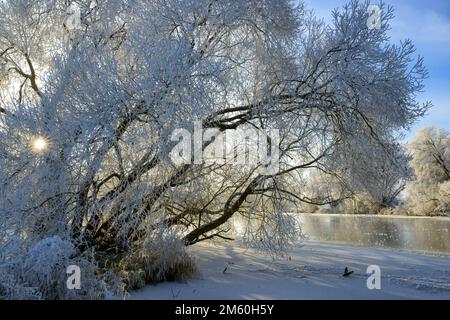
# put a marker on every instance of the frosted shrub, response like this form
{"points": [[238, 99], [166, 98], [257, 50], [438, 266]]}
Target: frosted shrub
{"points": [[93, 286], [11, 289], [396, 211], [40, 272], [12, 285], [361, 204], [162, 257], [45, 268], [47, 255]]}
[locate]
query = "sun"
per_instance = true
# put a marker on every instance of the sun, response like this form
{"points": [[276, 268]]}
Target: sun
{"points": [[39, 144]]}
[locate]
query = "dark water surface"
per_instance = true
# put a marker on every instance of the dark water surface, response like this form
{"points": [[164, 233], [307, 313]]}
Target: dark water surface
{"points": [[411, 233]]}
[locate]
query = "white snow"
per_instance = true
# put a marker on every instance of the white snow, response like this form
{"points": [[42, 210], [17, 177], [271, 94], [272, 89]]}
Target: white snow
{"points": [[314, 271]]}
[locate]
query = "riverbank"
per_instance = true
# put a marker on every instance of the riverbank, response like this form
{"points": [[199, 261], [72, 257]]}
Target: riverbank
{"points": [[312, 271]]}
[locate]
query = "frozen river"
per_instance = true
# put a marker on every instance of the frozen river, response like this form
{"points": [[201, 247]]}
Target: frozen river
{"points": [[411, 233]]}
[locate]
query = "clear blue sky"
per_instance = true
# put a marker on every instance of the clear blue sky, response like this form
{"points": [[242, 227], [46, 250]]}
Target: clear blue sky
{"points": [[427, 24]]}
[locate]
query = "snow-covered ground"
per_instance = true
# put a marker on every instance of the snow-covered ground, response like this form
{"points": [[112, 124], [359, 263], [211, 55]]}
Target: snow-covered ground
{"points": [[313, 271]]}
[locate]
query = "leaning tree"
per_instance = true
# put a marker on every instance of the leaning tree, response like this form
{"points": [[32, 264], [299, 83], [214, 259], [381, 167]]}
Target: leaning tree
{"points": [[89, 107]]}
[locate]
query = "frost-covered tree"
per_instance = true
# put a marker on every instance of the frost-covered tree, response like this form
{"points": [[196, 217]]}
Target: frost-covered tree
{"points": [[429, 193], [87, 114], [370, 173]]}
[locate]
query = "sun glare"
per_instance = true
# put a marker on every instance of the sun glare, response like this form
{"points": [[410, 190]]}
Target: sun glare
{"points": [[39, 144]]}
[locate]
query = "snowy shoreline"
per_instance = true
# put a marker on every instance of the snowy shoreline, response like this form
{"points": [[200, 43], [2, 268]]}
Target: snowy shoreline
{"points": [[311, 271]]}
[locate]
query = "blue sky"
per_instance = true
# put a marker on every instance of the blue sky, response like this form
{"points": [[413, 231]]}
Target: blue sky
{"points": [[427, 24]]}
